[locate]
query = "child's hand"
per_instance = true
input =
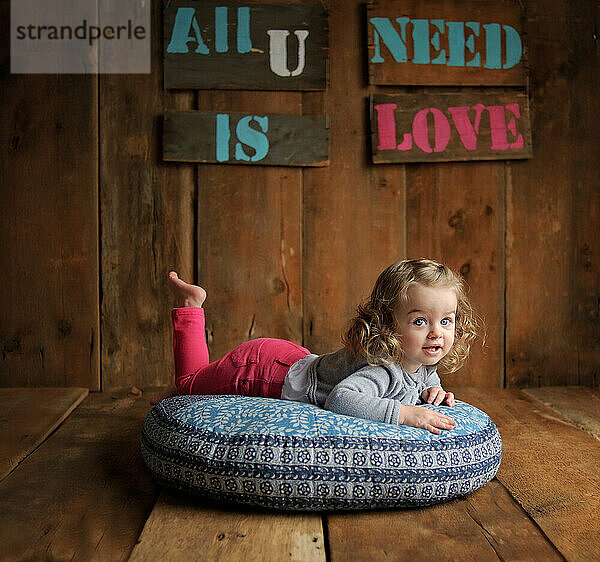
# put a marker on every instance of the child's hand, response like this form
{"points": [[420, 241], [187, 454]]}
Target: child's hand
{"points": [[436, 395], [417, 416]]}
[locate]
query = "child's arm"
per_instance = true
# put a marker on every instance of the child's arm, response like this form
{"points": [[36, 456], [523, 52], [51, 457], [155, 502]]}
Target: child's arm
{"points": [[363, 395]]}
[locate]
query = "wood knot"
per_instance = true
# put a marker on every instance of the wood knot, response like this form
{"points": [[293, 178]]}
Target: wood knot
{"points": [[64, 328], [568, 69], [278, 285], [586, 257], [457, 220]]}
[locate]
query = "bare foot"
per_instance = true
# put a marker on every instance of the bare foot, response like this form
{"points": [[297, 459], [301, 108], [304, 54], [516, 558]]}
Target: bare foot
{"points": [[186, 294]]}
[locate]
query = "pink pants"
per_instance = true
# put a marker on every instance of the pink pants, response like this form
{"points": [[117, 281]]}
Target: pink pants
{"points": [[255, 368]]}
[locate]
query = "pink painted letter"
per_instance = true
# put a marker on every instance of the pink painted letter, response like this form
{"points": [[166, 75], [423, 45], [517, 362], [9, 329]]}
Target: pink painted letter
{"points": [[468, 132], [498, 127], [512, 127], [386, 126], [441, 130]]}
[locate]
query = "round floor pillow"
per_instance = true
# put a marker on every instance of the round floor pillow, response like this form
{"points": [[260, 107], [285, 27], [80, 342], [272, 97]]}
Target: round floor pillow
{"points": [[290, 455]]}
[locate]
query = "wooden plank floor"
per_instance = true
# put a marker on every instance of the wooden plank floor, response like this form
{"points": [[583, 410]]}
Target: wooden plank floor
{"points": [[29, 416], [85, 494], [549, 466], [180, 526], [578, 404]]}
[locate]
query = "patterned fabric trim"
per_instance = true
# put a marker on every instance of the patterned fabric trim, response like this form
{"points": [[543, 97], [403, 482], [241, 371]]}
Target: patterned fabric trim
{"points": [[313, 471]]}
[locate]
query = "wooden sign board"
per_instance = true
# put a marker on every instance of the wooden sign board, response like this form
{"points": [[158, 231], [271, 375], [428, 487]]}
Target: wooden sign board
{"points": [[235, 138], [227, 45], [441, 127], [446, 42]]}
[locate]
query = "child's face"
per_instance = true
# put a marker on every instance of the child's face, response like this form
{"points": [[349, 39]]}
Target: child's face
{"points": [[426, 324]]}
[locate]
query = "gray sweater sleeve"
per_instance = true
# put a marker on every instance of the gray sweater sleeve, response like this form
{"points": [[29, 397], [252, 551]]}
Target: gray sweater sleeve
{"points": [[363, 395]]}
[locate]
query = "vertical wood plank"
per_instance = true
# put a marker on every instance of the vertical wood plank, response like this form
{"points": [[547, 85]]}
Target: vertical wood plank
{"points": [[49, 334], [147, 224], [249, 237], [353, 215], [553, 274], [456, 215]]}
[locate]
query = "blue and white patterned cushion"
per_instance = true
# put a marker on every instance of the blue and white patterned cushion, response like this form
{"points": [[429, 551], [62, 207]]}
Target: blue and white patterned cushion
{"points": [[290, 455]]}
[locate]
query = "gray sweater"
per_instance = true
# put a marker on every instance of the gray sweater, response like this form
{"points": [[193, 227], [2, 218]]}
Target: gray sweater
{"points": [[349, 386]]}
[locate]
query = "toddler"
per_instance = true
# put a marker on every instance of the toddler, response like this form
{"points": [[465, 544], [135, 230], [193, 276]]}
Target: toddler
{"points": [[416, 318]]}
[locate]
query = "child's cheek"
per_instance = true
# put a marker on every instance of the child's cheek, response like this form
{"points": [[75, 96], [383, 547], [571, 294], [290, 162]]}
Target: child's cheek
{"points": [[410, 342]]}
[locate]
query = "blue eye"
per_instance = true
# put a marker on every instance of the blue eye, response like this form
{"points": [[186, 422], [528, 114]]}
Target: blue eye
{"points": [[446, 321], [420, 322]]}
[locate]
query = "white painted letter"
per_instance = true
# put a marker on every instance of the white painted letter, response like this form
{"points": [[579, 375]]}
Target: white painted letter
{"points": [[278, 51]]}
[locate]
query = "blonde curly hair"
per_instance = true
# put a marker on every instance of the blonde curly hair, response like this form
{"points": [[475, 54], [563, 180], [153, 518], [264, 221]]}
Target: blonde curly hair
{"points": [[372, 332]]}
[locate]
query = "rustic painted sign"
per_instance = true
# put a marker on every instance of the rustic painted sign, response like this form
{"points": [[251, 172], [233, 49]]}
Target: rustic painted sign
{"points": [[231, 45], [446, 42], [438, 127], [235, 138]]}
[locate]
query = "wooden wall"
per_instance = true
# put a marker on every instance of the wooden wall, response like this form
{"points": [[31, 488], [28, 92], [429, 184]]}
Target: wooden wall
{"points": [[49, 269], [92, 220]]}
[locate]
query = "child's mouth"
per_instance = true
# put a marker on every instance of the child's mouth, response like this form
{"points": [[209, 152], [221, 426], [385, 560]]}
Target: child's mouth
{"points": [[432, 349]]}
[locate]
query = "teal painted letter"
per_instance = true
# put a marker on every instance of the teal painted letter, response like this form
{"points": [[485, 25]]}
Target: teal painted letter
{"points": [[184, 20], [253, 138], [223, 135], [435, 41], [421, 41], [384, 31], [221, 43], [493, 45], [244, 45], [514, 48], [456, 43], [470, 42]]}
